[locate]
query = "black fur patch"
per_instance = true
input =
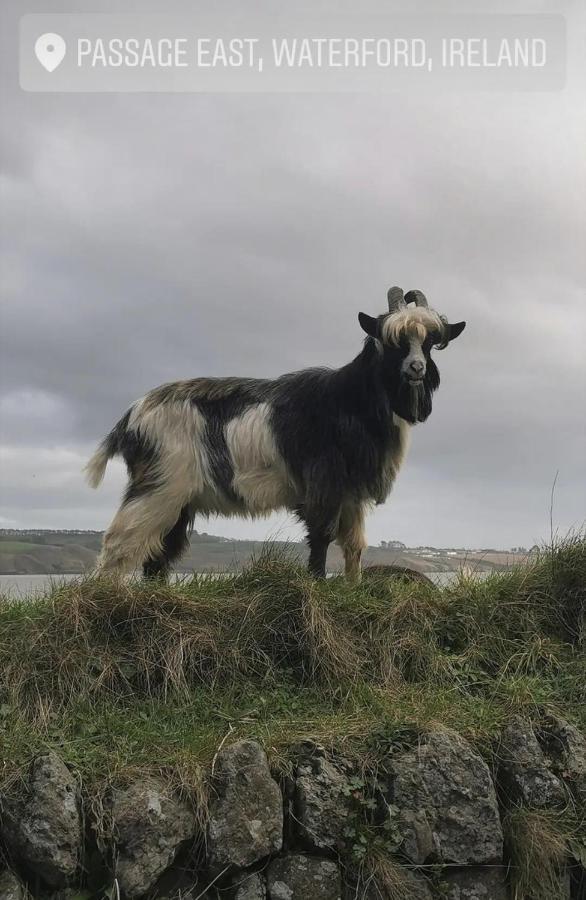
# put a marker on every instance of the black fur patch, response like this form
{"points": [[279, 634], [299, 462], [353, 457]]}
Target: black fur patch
{"points": [[113, 441], [335, 428], [141, 458]]}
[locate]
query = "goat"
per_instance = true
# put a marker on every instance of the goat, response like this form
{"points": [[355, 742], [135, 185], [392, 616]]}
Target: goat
{"points": [[322, 443]]}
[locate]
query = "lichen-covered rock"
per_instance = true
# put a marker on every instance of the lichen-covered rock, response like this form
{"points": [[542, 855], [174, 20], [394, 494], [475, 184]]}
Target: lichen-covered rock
{"points": [[150, 826], [475, 884], [250, 886], [447, 804], [11, 888], [567, 746], [246, 814], [524, 769], [300, 877], [44, 829], [321, 801]]}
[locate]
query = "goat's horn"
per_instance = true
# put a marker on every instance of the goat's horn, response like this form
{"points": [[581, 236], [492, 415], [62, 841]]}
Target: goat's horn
{"points": [[416, 297], [395, 298]]}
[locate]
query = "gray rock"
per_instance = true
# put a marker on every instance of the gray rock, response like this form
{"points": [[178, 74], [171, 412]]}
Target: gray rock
{"points": [[250, 887], [523, 767], [567, 746], [44, 828], [475, 884], [246, 815], [447, 804], [300, 877], [150, 826], [11, 888], [321, 801]]}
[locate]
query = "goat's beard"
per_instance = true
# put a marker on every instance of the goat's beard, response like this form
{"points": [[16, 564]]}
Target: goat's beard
{"points": [[413, 401]]}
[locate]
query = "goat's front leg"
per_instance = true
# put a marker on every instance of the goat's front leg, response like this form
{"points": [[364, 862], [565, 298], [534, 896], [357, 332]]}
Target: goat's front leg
{"points": [[322, 524], [351, 539]]}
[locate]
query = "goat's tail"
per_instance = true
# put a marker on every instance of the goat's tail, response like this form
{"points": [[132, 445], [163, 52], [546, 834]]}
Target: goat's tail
{"points": [[110, 446]]}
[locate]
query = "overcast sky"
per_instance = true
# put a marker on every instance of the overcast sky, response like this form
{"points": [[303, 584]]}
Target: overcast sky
{"points": [[147, 238]]}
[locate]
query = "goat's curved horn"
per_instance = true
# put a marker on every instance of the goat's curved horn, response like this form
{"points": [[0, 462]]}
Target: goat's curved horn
{"points": [[416, 297], [396, 299]]}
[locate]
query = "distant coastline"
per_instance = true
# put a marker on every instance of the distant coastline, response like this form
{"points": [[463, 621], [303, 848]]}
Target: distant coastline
{"points": [[64, 552]]}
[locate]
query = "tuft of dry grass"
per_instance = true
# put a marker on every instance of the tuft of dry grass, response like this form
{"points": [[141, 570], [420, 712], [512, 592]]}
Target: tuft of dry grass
{"points": [[539, 846], [383, 878]]}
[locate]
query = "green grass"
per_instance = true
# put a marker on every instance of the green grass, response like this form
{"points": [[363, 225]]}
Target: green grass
{"points": [[138, 677], [17, 546]]}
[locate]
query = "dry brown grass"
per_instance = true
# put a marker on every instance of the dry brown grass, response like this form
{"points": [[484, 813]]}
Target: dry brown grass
{"points": [[384, 878], [104, 639], [538, 842]]}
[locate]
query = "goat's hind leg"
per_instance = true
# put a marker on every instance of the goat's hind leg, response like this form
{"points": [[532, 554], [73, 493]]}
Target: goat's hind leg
{"points": [[175, 543], [137, 532]]}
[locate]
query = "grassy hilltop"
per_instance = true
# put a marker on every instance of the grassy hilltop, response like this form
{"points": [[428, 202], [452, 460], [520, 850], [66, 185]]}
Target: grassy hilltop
{"points": [[121, 679]]}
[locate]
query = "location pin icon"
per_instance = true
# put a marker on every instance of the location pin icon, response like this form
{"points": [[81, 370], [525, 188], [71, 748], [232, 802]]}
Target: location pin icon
{"points": [[50, 49]]}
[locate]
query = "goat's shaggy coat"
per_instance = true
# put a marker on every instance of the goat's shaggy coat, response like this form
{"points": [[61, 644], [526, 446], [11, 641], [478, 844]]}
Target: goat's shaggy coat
{"points": [[324, 443]]}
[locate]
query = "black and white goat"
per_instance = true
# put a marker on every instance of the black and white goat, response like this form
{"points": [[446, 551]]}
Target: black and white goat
{"points": [[323, 443]]}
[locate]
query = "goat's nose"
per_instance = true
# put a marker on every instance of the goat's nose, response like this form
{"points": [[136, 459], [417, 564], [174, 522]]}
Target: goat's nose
{"points": [[416, 366]]}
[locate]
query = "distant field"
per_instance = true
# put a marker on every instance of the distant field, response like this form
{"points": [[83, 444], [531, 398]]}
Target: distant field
{"points": [[56, 552], [17, 547]]}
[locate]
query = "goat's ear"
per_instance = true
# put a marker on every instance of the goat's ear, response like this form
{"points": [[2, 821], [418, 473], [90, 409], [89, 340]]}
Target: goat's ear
{"points": [[368, 324], [455, 330]]}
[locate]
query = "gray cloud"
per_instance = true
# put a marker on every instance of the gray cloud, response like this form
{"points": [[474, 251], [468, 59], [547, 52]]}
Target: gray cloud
{"points": [[148, 238]]}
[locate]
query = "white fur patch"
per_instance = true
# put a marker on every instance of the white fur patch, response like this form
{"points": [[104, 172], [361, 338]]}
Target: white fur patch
{"points": [[96, 467], [401, 448], [177, 431], [416, 322], [260, 473]]}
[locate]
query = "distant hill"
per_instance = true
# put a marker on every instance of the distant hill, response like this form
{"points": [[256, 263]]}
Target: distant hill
{"points": [[72, 552]]}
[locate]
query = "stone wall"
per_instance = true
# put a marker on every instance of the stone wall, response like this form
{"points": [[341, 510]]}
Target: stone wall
{"points": [[432, 814]]}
